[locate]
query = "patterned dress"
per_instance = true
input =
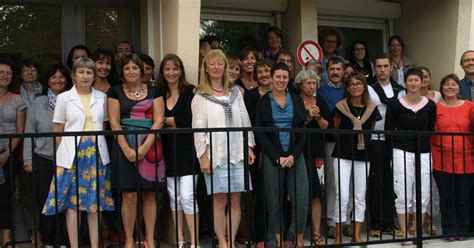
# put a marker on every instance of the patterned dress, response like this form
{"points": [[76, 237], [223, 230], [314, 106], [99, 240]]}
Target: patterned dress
{"points": [[67, 183], [144, 174]]}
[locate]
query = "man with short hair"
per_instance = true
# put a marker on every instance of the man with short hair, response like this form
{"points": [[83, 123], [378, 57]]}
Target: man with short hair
{"points": [[381, 193], [467, 64]]}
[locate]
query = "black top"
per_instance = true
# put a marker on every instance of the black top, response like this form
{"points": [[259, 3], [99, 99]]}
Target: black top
{"points": [[400, 118], [182, 145], [132, 108], [346, 144], [251, 99], [270, 141], [315, 142], [365, 70], [240, 83]]}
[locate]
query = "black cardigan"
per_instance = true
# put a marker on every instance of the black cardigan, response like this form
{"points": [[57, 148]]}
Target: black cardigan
{"points": [[402, 119], [269, 140]]}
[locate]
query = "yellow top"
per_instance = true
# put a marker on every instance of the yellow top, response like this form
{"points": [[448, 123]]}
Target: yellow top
{"points": [[88, 124]]}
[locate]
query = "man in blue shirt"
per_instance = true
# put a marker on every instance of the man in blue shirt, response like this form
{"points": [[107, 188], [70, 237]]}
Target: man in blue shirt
{"points": [[467, 64]]}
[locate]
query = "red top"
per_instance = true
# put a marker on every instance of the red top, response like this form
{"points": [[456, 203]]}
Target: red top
{"points": [[454, 119]]}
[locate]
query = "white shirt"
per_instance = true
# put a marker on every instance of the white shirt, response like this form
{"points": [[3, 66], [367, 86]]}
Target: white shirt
{"points": [[70, 112], [380, 124], [207, 114]]}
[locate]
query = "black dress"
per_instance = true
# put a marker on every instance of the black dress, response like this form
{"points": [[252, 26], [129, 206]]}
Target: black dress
{"points": [[178, 149], [124, 174], [315, 149]]}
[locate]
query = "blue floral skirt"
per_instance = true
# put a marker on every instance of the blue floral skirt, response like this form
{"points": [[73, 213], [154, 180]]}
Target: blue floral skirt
{"points": [[68, 194]]}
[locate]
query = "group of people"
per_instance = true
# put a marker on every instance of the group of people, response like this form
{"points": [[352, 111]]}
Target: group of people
{"points": [[115, 174]]}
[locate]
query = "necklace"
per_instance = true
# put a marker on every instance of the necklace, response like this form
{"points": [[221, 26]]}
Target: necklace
{"points": [[358, 112], [219, 90], [137, 93]]}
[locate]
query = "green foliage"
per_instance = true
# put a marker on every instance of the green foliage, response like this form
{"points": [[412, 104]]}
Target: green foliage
{"points": [[235, 35], [31, 31]]}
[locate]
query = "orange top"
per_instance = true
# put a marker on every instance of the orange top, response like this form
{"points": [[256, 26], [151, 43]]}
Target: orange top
{"points": [[454, 154]]}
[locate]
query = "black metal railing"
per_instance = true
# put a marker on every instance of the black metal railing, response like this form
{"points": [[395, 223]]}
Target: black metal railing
{"points": [[248, 197]]}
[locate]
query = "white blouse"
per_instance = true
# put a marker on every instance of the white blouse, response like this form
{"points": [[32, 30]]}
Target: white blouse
{"points": [[207, 114]]}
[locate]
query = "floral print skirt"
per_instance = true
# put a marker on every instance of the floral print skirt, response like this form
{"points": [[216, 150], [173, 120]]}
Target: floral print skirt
{"points": [[71, 190]]}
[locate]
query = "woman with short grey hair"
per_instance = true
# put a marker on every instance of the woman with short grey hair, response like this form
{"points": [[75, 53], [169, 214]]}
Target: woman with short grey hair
{"points": [[307, 82]]}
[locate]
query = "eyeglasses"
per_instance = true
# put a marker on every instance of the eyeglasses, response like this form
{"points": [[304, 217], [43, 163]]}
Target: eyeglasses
{"points": [[330, 41], [355, 85]]}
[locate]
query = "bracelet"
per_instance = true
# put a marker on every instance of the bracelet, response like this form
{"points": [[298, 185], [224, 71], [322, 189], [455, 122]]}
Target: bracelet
{"points": [[318, 118]]}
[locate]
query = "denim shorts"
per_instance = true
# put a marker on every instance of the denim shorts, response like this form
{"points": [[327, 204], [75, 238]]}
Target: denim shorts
{"points": [[220, 179]]}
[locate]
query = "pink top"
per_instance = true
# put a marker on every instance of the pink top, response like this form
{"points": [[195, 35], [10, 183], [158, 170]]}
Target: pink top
{"points": [[454, 155]]}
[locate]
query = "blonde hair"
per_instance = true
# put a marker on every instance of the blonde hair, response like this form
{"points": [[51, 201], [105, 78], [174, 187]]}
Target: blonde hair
{"points": [[204, 86]]}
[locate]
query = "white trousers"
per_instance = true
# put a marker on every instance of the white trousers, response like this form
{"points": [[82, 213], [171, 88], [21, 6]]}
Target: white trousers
{"points": [[182, 196], [330, 186], [342, 180], [404, 177]]}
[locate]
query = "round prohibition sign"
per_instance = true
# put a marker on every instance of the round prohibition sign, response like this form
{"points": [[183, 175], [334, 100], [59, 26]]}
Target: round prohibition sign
{"points": [[309, 49]]}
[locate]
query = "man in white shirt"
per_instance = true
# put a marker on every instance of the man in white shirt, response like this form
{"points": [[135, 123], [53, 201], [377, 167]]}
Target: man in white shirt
{"points": [[381, 195]]}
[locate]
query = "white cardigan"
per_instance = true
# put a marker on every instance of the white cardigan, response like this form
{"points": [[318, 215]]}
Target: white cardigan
{"points": [[69, 111], [207, 114]]}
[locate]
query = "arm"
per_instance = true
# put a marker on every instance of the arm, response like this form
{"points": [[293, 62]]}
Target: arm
{"points": [[20, 127], [268, 147], [113, 109], [246, 123], [58, 128], [324, 113], [158, 116], [185, 119], [432, 119], [30, 127], [300, 138], [201, 141]]}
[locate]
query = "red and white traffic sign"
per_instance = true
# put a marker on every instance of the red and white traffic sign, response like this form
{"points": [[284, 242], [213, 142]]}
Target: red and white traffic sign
{"points": [[309, 49]]}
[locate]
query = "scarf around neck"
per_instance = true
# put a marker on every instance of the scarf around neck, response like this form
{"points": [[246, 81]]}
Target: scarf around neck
{"points": [[52, 100], [30, 97], [226, 104], [343, 107]]}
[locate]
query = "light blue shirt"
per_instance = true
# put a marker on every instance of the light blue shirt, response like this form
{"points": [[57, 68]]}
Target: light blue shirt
{"points": [[283, 118]]}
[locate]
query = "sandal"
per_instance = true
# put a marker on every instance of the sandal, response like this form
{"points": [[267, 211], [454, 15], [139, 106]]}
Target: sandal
{"points": [[317, 240]]}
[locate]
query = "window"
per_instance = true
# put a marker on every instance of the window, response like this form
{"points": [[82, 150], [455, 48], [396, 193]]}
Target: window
{"points": [[46, 29], [31, 31], [372, 31], [236, 29], [107, 26]]}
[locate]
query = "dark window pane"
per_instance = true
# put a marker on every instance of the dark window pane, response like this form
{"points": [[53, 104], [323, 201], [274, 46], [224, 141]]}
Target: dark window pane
{"points": [[107, 26], [31, 31], [236, 35]]}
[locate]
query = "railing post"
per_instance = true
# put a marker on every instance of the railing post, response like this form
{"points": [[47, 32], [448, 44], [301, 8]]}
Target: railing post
{"points": [[419, 214]]}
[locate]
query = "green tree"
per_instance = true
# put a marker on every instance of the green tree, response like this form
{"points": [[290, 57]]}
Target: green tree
{"points": [[235, 35]]}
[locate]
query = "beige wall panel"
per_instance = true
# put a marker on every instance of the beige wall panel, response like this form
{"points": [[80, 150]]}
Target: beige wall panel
{"points": [[430, 34]]}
